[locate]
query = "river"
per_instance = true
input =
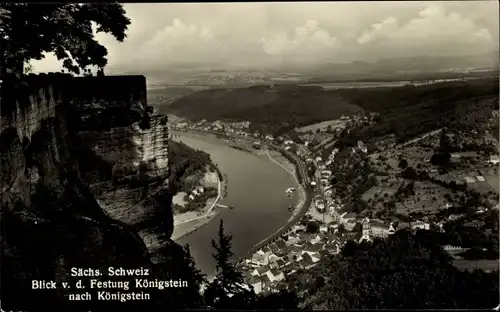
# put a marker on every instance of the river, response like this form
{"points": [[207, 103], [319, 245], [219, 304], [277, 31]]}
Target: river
{"points": [[257, 191]]}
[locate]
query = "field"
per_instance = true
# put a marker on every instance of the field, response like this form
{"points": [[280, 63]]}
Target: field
{"points": [[379, 192], [486, 265], [322, 126], [492, 181], [429, 198]]}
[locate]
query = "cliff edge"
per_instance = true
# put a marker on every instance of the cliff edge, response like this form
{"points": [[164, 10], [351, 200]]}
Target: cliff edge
{"points": [[51, 220]]}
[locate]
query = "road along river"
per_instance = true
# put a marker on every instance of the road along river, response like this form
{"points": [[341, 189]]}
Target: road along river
{"points": [[256, 188]]}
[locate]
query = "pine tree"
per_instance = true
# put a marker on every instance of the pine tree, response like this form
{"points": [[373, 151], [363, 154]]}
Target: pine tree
{"points": [[194, 278], [227, 290]]}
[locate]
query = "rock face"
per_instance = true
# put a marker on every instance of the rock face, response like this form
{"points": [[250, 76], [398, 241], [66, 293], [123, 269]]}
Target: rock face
{"points": [[51, 220]]}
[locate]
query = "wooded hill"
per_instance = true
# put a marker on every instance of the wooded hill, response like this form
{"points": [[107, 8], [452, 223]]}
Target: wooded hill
{"points": [[281, 106], [285, 107]]}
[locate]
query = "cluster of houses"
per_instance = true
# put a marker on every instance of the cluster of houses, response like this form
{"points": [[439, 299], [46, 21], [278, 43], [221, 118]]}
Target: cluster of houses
{"points": [[268, 268], [196, 192]]}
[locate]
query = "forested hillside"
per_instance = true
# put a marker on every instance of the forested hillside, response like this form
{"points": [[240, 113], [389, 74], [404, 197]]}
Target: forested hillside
{"points": [[281, 106], [404, 271], [411, 111], [406, 111]]}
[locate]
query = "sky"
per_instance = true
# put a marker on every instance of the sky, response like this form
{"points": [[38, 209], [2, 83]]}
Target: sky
{"points": [[265, 34]]}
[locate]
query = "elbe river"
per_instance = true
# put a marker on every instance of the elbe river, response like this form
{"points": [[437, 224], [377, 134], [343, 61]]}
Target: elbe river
{"points": [[256, 188]]}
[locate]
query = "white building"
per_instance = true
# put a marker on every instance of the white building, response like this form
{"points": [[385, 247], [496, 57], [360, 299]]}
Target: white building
{"points": [[420, 225], [494, 159], [260, 258]]}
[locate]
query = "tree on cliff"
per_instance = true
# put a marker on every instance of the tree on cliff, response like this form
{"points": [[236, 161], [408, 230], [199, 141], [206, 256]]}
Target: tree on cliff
{"points": [[194, 278], [31, 29], [227, 290]]}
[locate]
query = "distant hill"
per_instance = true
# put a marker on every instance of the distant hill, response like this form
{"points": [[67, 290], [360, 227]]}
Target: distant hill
{"points": [[281, 106], [398, 68]]}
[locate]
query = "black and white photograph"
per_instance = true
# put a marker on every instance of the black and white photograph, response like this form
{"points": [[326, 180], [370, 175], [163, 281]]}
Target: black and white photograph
{"points": [[336, 155]]}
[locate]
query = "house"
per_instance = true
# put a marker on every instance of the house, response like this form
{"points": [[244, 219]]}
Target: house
{"points": [[323, 229], [420, 225], [295, 249], [274, 248], [303, 237], [288, 259], [316, 239], [331, 208], [277, 276], [380, 229], [259, 271], [274, 262], [320, 206], [349, 225], [326, 173], [366, 231], [267, 250], [280, 264], [273, 258], [494, 159], [260, 258], [256, 283], [469, 180], [292, 240], [191, 197], [306, 262], [480, 178], [314, 248], [454, 217], [455, 158], [334, 246], [299, 228], [451, 248], [281, 245]]}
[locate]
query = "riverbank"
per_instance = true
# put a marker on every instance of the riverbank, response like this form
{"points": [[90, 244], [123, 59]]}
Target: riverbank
{"points": [[257, 191], [189, 226], [300, 210], [188, 222], [284, 163]]}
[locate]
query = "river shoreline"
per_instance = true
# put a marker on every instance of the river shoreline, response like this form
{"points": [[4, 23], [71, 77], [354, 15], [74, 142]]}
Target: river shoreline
{"points": [[185, 227], [181, 227], [299, 211], [303, 200], [255, 217]]}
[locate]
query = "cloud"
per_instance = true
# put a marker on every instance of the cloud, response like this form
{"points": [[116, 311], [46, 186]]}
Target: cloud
{"points": [[433, 28], [181, 42], [262, 34], [308, 40]]}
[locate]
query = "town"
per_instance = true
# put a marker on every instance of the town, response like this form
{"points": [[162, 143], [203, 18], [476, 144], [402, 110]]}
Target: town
{"points": [[375, 190]]}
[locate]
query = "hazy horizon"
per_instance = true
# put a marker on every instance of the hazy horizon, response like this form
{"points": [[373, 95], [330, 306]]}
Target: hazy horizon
{"points": [[267, 35]]}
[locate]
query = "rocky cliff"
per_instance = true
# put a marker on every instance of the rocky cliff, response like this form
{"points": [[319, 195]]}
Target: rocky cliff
{"points": [[51, 220]]}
